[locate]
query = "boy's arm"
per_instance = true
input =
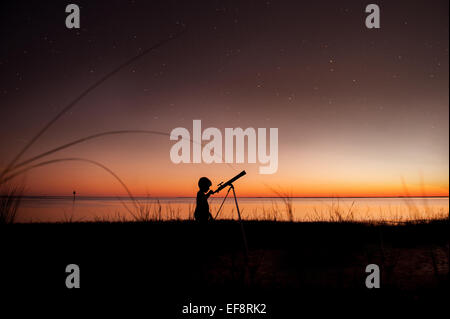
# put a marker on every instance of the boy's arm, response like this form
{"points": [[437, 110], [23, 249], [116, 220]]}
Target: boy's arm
{"points": [[209, 193]]}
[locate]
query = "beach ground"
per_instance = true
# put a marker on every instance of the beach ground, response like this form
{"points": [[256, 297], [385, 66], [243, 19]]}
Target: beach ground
{"points": [[288, 265]]}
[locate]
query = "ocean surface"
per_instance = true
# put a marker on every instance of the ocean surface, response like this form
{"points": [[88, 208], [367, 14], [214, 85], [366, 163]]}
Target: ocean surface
{"points": [[65, 209]]}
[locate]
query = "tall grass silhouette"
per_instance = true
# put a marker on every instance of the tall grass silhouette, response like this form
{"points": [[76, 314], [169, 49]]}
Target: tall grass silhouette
{"points": [[85, 93], [286, 197], [10, 198]]}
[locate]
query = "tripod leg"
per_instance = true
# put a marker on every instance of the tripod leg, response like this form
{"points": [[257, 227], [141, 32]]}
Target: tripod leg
{"points": [[222, 203], [242, 225]]}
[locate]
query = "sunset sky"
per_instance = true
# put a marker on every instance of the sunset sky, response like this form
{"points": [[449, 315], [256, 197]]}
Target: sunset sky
{"points": [[357, 110]]}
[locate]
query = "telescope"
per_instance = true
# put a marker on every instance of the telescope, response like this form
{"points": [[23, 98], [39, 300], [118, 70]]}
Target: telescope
{"points": [[229, 183], [222, 185]]}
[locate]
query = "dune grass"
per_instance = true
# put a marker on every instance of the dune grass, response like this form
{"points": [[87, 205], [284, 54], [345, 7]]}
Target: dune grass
{"points": [[153, 210], [10, 198]]}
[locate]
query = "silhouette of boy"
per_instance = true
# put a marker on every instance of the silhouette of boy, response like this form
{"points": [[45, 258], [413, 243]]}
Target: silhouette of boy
{"points": [[202, 213]]}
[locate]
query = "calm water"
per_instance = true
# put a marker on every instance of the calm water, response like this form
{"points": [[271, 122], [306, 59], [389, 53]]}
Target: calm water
{"points": [[51, 209]]}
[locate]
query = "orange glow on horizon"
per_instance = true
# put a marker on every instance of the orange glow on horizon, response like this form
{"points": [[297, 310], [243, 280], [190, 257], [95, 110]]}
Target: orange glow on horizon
{"points": [[178, 181]]}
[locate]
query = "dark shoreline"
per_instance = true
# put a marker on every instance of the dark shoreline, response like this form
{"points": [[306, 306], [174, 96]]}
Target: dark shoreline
{"points": [[173, 262]]}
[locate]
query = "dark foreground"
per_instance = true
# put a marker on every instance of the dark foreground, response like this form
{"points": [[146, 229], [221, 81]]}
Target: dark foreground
{"points": [[160, 267]]}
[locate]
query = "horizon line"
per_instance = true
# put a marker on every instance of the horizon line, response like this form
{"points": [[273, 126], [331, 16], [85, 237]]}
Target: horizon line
{"points": [[159, 197]]}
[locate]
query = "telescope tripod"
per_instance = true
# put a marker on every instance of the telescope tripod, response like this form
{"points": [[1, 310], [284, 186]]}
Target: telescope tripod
{"points": [[239, 216]]}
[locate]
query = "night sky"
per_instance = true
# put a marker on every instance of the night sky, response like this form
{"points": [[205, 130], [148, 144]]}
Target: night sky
{"points": [[357, 109]]}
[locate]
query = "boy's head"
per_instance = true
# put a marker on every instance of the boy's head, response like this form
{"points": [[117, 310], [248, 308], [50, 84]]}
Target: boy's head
{"points": [[204, 184]]}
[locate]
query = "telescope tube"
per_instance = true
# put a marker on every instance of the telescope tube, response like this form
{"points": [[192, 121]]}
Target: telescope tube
{"points": [[228, 183]]}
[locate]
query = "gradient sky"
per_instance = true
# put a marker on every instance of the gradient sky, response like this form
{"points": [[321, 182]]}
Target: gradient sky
{"points": [[357, 109]]}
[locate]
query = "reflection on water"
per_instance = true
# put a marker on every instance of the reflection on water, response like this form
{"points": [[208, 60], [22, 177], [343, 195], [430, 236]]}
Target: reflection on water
{"points": [[56, 209]]}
